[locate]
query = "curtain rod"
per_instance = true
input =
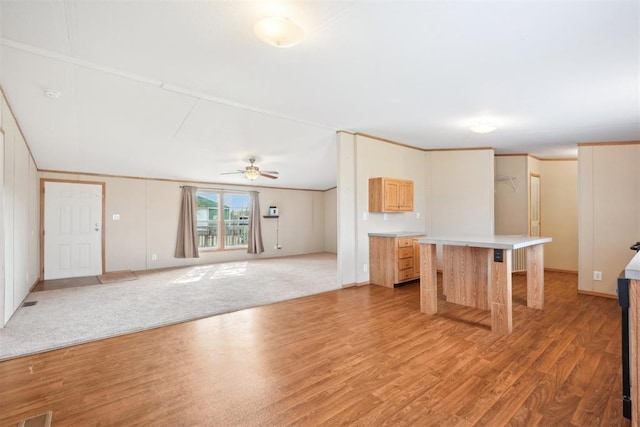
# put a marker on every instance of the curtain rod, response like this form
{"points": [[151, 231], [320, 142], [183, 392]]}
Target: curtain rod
{"points": [[219, 189]]}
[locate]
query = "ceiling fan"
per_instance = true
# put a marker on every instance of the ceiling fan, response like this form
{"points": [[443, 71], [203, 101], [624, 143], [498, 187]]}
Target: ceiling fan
{"points": [[252, 172]]}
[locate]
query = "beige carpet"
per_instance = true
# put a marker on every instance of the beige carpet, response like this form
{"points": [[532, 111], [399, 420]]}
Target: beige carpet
{"points": [[65, 317], [117, 276]]}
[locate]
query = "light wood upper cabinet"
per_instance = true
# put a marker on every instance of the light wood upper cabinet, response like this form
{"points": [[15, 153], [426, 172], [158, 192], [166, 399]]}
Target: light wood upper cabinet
{"points": [[390, 195]]}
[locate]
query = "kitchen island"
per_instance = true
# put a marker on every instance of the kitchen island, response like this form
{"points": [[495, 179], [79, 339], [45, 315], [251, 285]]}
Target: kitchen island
{"points": [[476, 272], [629, 299]]}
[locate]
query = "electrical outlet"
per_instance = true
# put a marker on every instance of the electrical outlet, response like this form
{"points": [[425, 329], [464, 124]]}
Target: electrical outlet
{"points": [[385, 217], [597, 275], [365, 268], [154, 257]]}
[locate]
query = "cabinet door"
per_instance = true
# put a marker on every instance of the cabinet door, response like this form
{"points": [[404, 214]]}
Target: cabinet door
{"points": [[405, 196], [391, 195], [416, 258]]}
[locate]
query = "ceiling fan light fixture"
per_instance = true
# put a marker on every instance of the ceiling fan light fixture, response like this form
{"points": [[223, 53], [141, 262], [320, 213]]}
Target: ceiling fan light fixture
{"points": [[251, 174], [278, 31]]}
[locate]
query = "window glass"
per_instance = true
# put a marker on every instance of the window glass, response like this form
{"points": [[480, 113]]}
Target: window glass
{"points": [[236, 220], [208, 219], [223, 220]]}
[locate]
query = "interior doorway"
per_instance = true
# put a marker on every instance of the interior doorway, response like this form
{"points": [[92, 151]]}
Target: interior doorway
{"points": [[72, 229], [534, 205]]}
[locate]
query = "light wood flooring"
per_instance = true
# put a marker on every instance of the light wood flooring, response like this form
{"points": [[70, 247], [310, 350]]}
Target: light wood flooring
{"points": [[360, 356]]}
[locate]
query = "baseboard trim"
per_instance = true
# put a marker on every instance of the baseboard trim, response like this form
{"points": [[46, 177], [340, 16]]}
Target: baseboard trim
{"points": [[596, 294], [355, 284], [34, 285], [559, 270]]}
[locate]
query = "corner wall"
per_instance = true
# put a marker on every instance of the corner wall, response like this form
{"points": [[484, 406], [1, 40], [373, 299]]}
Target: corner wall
{"points": [[608, 212], [20, 206], [559, 213], [512, 196], [558, 204]]}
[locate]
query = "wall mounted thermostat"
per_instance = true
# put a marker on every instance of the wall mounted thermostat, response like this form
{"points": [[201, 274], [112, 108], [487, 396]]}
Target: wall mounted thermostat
{"points": [[273, 211]]}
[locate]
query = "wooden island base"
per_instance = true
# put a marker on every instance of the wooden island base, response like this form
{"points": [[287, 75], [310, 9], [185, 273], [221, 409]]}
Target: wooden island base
{"points": [[476, 272]]}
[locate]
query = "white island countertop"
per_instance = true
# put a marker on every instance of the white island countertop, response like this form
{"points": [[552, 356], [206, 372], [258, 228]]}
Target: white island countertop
{"points": [[632, 270], [491, 241]]}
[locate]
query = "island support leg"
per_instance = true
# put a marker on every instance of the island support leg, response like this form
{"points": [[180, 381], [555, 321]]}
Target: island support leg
{"points": [[428, 279], [500, 293], [535, 277]]}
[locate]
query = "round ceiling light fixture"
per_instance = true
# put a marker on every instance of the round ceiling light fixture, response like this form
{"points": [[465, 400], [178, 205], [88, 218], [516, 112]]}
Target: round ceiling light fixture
{"points": [[278, 31], [53, 94], [482, 127]]}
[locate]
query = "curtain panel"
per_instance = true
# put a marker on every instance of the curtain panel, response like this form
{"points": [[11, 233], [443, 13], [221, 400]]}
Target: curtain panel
{"points": [[255, 230], [187, 242]]}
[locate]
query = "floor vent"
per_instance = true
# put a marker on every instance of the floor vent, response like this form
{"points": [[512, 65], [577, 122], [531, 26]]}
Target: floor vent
{"points": [[29, 303], [42, 420]]}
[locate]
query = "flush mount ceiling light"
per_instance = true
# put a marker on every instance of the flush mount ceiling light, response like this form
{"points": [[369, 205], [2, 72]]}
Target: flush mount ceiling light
{"points": [[278, 31], [50, 93], [482, 127]]}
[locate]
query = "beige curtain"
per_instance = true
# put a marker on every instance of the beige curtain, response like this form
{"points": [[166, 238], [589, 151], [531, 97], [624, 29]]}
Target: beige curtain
{"points": [[255, 231], [187, 243]]}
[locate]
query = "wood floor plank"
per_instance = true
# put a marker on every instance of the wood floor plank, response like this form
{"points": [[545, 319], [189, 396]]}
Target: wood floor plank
{"points": [[362, 356]]}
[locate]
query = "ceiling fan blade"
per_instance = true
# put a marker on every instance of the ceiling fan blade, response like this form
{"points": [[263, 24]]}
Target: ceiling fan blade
{"points": [[272, 172], [268, 176], [231, 173]]}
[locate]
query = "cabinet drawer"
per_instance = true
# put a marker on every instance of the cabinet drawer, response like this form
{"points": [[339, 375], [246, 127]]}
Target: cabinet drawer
{"points": [[405, 242], [405, 253], [405, 263], [405, 274]]}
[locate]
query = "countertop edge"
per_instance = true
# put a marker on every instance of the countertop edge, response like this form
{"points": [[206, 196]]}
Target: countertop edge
{"points": [[399, 234], [491, 242], [632, 270]]}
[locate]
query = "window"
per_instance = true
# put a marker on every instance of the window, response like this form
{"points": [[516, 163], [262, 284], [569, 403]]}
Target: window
{"points": [[226, 229]]}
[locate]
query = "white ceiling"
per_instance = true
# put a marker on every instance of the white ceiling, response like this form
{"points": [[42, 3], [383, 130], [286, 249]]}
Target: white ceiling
{"points": [[184, 90]]}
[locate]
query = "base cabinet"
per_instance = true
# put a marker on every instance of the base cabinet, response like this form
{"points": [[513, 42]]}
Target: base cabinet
{"points": [[393, 260]]}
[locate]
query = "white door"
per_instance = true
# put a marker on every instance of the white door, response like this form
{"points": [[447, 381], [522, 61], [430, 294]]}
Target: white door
{"points": [[72, 230], [534, 205]]}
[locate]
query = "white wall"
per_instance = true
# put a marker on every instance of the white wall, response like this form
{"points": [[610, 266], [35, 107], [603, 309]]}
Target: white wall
{"points": [[608, 212], [20, 207], [559, 213], [149, 211], [461, 196], [511, 204], [346, 204], [330, 221]]}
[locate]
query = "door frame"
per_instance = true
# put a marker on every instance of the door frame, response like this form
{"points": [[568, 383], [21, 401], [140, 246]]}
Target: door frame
{"points": [[102, 233], [531, 176]]}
